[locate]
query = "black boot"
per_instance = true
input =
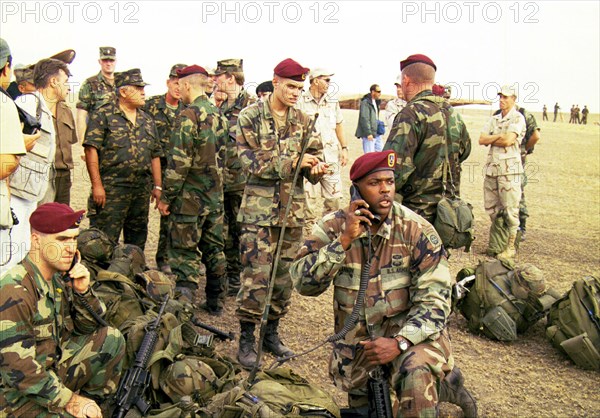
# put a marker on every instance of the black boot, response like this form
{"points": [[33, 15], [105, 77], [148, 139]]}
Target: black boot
{"points": [[272, 344], [453, 390], [246, 352]]}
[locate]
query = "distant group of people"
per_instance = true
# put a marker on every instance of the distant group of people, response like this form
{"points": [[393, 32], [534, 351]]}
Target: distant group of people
{"points": [[577, 115], [224, 169]]}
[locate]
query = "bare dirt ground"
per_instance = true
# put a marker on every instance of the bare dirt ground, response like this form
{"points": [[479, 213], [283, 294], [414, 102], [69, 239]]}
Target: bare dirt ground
{"points": [[526, 378]]}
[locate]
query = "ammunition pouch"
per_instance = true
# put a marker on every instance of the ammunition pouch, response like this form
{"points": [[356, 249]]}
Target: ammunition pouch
{"points": [[500, 324]]}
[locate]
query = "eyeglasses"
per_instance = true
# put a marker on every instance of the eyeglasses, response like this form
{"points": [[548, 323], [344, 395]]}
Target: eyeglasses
{"points": [[377, 91]]}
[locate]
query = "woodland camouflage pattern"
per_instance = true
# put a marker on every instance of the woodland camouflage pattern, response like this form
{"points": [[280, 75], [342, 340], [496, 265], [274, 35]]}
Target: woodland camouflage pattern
{"points": [[409, 289], [40, 367], [96, 92], [417, 137], [267, 156], [193, 188]]}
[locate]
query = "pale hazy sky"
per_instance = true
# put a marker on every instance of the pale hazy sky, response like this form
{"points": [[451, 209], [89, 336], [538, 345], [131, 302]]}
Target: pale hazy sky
{"points": [[550, 48]]}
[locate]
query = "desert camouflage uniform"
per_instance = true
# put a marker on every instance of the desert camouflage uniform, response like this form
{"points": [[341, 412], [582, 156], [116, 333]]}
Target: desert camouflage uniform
{"points": [[96, 92], [51, 346], [330, 186], [408, 293], [503, 173], [164, 117], [233, 187], [268, 155], [125, 153], [193, 189], [417, 137]]}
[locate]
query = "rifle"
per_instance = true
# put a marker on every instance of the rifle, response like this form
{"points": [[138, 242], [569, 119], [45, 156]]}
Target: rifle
{"points": [[380, 403], [137, 378], [221, 335]]}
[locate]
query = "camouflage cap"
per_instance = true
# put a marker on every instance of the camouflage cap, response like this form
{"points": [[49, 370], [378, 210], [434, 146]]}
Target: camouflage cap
{"points": [[173, 72], [532, 277], [131, 77], [4, 52], [230, 65], [320, 72], [108, 53], [67, 56], [507, 91], [23, 73]]}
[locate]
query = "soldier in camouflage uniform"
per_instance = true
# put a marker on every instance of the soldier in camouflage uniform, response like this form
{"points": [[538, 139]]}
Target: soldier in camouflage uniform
{"points": [[531, 138], [269, 139], [503, 173], [164, 109], [407, 300], [56, 359], [193, 192], [122, 153], [229, 77], [97, 90], [418, 136]]}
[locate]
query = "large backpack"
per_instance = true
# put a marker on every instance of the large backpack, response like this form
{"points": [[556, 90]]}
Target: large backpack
{"points": [[574, 323], [277, 392], [504, 300]]}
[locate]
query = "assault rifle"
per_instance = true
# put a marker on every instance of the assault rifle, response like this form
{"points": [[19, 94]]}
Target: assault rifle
{"points": [[221, 335], [380, 404], [136, 380]]}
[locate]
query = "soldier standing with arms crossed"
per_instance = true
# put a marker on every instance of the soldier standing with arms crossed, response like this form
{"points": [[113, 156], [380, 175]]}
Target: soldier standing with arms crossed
{"points": [[269, 138]]}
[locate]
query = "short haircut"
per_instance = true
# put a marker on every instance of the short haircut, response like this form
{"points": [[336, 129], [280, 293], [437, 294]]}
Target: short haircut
{"points": [[197, 80], [46, 69], [420, 73], [374, 87]]}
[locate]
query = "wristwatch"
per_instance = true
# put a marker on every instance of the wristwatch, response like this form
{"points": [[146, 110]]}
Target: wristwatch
{"points": [[402, 343]]}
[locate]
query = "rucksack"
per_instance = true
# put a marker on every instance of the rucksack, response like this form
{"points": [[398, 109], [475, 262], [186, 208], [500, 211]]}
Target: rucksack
{"points": [[574, 323], [504, 300], [275, 393], [454, 222]]}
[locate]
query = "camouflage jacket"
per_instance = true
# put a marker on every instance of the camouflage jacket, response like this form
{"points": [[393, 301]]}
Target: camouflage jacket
{"points": [[125, 150], [192, 182], [37, 321], [268, 155], [164, 119], [409, 286], [234, 177], [530, 127], [418, 136], [502, 161], [96, 92]]}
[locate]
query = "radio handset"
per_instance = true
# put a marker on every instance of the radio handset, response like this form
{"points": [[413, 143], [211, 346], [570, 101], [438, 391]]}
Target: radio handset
{"points": [[355, 195]]}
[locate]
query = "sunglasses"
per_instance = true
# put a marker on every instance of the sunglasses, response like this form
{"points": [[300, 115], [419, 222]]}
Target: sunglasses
{"points": [[377, 91], [325, 79]]}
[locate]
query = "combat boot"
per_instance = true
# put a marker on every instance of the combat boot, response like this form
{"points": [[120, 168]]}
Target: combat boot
{"points": [[272, 344], [233, 285], [452, 390], [246, 352], [510, 251]]}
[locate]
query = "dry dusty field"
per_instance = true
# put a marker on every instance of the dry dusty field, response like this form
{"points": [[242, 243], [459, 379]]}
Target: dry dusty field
{"points": [[526, 378]]}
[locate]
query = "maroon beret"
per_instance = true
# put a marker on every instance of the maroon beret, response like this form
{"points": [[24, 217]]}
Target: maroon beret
{"points": [[288, 68], [191, 69], [413, 59], [372, 162], [438, 90], [51, 218]]}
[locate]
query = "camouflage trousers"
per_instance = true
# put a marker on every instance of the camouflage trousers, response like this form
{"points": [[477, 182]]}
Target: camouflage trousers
{"points": [[258, 245], [330, 189], [62, 185], [232, 203], [523, 212], [91, 364], [163, 233], [503, 193], [196, 239], [415, 377], [126, 210]]}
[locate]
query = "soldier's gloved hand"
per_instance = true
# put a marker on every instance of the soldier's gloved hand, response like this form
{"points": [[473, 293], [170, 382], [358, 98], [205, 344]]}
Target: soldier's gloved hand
{"points": [[99, 195], [82, 407]]}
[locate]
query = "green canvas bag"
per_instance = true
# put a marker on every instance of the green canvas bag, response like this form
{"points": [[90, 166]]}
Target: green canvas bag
{"points": [[574, 323]]}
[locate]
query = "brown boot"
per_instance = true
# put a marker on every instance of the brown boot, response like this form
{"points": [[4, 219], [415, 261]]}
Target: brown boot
{"points": [[272, 344], [452, 390], [511, 250], [246, 352]]}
